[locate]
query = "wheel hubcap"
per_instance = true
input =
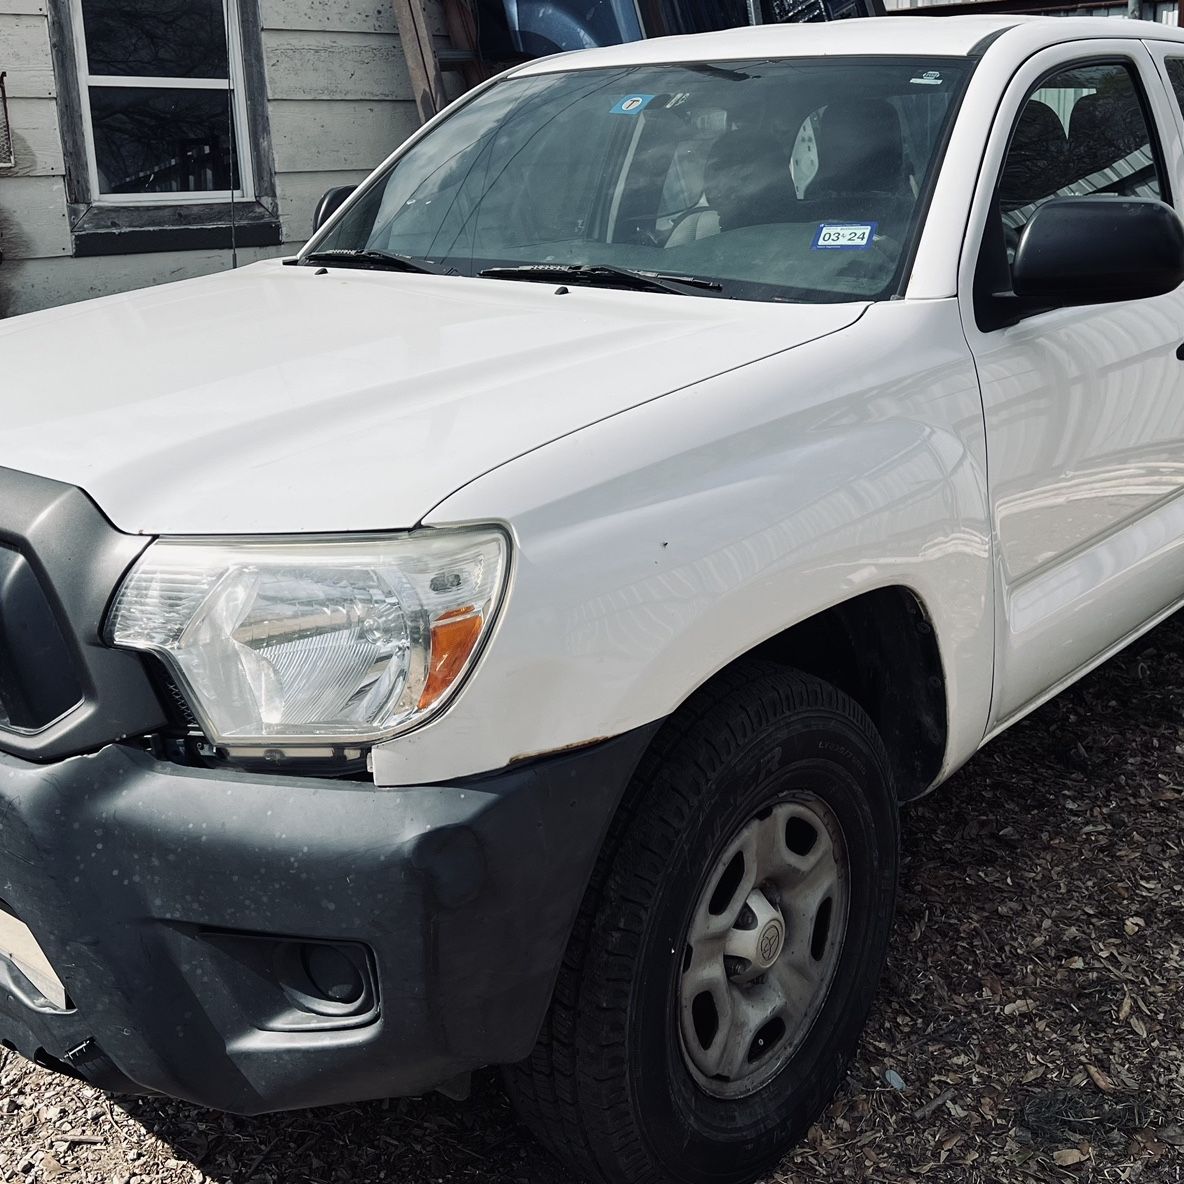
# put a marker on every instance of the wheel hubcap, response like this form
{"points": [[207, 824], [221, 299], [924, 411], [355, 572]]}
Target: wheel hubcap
{"points": [[762, 946]]}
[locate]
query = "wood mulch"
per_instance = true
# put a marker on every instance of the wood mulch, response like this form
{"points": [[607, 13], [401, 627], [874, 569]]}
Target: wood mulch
{"points": [[1030, 1026]]}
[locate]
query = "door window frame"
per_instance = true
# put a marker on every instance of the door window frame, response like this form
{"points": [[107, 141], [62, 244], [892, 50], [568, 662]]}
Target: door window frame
{"points": [[1153, 98], [1155, 141]]}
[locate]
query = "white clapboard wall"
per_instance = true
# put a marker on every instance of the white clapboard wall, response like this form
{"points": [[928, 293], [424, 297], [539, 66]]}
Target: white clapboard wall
{"points": [[339, 100]]}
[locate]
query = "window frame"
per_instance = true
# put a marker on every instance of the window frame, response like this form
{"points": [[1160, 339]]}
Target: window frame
{"points": [[232, 86], [989, 317], [122, 224], [1163, 176]]}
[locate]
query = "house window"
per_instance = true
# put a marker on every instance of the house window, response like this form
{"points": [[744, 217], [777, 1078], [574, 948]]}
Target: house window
{"points": [[164, 118], [162, 99]]}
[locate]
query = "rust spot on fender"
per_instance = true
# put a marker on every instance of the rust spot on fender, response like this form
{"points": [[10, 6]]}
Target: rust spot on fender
{"points": [[534, 756]]}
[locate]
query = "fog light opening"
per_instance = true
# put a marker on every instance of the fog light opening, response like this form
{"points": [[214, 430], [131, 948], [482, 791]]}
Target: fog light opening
{"points": [[325, 978], [332, 975]]}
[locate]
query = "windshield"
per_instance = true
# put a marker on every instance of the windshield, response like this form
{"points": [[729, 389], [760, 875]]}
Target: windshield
{"points": [[800, 180]]}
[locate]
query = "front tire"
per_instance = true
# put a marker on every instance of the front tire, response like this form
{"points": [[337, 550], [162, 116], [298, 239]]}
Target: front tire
{"points": [[729, 947]]}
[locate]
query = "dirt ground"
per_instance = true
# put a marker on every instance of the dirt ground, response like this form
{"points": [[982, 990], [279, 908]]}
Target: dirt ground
{"points": [[1029, 1028]]}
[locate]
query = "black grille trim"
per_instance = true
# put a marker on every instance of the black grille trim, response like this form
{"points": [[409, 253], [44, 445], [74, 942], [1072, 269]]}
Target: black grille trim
{"points": [[38, 681], [62, 691]]}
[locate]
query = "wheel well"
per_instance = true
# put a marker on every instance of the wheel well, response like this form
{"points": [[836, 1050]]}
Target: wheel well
{"points": [[880, 649]]}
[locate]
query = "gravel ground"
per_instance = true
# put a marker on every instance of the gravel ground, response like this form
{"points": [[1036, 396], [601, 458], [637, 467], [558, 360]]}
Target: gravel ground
{"points": [[1029, 1026]]}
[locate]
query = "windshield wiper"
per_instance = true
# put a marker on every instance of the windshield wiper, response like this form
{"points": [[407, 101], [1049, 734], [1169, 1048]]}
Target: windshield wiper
{"points": [[377, 260], [603, 275]]}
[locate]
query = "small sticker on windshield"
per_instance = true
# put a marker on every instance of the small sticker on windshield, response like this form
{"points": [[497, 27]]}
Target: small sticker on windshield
{"points": [[632, 104], [844, 236], [929, 78]]}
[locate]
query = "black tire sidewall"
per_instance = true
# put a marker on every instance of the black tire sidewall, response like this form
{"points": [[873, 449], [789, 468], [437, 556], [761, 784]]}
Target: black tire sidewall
{"points": [[702, 1139]]}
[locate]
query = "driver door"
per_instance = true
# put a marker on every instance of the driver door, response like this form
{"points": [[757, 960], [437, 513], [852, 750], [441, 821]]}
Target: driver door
{"points": [[1084, 407]]}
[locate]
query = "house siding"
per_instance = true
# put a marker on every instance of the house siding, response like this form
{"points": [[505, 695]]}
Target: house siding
{"points": [[33, 222], [340, 97], [339, 100]]}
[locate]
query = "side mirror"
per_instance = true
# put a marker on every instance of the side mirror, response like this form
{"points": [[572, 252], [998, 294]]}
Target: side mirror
{"points": [[1098, 250], [330, 204]]}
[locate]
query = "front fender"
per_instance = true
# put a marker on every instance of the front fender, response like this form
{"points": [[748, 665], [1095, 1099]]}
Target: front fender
{"points": [[655, 547]]}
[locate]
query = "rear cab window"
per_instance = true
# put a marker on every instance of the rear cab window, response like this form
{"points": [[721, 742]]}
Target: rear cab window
{"points": [[1175, 73]]}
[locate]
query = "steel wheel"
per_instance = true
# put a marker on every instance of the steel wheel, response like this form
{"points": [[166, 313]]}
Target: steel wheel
{"points": [[762, 946], [728, 951]]}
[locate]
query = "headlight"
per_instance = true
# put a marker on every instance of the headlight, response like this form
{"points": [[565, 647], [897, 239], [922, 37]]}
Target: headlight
{"points": [[282, 643]]}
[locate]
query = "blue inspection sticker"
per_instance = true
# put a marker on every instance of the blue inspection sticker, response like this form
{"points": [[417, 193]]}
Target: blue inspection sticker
{"points": [[844, 236], [632, 104]]}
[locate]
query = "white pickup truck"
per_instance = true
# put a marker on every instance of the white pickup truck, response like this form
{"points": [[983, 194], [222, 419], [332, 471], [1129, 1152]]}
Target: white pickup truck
{"points": [[504, 634]]}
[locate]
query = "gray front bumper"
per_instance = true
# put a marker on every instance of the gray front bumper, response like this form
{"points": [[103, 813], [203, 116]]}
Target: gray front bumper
{"points": [[160, 894]]}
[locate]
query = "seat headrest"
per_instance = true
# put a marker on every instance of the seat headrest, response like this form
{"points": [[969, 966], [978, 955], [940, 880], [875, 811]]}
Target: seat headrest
{"points": [[860, 148], [1103, 129], [747, 180], [1087, 118], [1036, 157]]}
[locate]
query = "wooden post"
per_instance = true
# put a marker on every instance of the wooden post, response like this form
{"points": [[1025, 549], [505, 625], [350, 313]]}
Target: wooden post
{"points": [[7, 147], [422, 64], [461, 23]]}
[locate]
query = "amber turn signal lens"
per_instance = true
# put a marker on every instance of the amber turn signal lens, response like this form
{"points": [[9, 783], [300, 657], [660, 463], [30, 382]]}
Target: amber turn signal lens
{"points": [[454, 636]]}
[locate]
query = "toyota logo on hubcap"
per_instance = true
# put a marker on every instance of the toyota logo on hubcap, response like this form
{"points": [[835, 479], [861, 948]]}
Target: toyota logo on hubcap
{"points": [[770, 941]]}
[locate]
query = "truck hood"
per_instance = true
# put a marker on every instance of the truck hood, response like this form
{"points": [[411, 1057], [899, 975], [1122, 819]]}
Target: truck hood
{"points": [[279, 400]]}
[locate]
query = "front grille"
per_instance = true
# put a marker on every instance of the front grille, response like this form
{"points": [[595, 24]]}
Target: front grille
{"points": [[38, 680], [62, 692]]}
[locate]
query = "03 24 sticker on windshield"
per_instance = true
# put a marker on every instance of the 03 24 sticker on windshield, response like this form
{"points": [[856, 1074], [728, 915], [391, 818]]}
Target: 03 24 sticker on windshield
{"points": [[850, 236]]}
